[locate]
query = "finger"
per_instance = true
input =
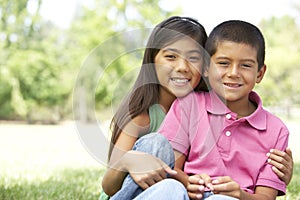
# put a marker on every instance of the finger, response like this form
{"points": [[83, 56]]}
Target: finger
{"points": [[150, 182], [289, 152], [277, 159], [196, 179], [143, 185], [195, 195], [169, 170], [159, 176], [278, 172], [194, 188], [282, 166], [207, 181], [277, 152]]}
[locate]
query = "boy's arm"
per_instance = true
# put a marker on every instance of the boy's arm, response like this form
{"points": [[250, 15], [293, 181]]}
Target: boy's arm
{"points": [[194, 183], [179, 164]]}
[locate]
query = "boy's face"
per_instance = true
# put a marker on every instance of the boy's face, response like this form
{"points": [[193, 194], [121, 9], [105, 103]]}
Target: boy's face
{"points": [[233, 71]]}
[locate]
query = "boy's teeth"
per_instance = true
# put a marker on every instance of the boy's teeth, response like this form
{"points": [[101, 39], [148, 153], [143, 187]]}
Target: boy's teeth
{"points": [[231, 85]]}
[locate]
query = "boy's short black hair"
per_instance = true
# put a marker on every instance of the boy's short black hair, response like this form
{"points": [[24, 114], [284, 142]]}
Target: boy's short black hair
{"points": [[240, 32]]}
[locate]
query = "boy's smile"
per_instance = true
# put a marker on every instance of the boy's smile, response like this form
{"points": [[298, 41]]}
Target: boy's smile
{"points": [[233, 72]]}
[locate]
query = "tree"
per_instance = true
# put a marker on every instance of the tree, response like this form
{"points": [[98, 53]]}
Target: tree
{"points": [[31, 74], [103, 34], [280, 85]]}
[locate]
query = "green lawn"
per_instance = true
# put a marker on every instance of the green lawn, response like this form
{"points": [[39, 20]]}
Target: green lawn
{"points": [[64, 184], [83, 183]]}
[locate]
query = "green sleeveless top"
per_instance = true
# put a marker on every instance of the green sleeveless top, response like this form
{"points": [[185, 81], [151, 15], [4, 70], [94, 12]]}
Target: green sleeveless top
{"points": [[156, 115]]}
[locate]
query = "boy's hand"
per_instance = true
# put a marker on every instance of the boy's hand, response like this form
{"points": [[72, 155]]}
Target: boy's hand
{"points": [[197, 184], [226, 186], [282, 163]]}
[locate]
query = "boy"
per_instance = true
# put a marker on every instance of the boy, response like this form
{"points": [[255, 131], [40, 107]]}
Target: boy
{"points": [[220, 138]]}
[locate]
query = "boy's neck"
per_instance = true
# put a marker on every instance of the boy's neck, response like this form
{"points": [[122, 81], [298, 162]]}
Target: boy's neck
{"points": [[242, 109]]}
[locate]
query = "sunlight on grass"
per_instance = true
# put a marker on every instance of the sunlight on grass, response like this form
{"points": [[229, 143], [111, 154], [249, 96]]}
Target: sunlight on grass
{"points": [[68, 183]]}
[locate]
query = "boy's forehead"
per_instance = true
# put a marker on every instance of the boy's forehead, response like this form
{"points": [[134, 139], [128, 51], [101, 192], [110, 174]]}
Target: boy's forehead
{"points": [[230, 44], [236, 49]]}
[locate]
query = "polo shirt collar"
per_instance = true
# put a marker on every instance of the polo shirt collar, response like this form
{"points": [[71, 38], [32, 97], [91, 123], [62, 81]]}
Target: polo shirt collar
{"points": [[258, 119]]}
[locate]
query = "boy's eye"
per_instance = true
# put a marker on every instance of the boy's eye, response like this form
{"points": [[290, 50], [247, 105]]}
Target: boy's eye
{"points": [[246, 65], [223, 63]]}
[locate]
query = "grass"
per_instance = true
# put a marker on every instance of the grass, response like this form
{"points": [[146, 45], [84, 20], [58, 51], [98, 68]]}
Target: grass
{"points": [[84, 183], [63, 184], [293, 189]]}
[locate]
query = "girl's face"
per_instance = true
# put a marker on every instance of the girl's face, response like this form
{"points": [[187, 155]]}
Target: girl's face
{"points": [[178, 67]]}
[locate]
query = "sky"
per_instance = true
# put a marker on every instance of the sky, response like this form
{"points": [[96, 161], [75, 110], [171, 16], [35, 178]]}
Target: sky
{"points": [[208, 12]]}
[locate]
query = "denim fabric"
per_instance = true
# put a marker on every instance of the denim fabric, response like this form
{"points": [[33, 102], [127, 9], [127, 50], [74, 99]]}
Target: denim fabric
{"points": [[164, 190], [154, 144], [210, 196]]}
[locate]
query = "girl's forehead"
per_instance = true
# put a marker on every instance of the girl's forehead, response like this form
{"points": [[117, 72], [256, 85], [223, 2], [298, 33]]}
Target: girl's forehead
{"points": [[183, 43]]}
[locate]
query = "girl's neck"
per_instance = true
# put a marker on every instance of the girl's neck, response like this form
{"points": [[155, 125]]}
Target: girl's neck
{"points": [[165, 99]]}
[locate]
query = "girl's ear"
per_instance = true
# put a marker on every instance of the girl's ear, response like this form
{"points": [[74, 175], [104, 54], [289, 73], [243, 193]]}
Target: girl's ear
{"points": [[205, 72], [261, 73]]}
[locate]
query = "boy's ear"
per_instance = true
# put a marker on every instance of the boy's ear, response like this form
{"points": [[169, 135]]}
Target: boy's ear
{"points": [[261, 73]]}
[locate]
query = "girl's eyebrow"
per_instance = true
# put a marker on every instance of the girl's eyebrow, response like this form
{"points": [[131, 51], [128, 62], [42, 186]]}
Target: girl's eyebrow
{"points": [[178, 51]]}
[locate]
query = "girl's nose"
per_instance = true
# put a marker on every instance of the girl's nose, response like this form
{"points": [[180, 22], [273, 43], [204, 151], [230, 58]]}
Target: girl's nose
{"points": [[182, 65]]}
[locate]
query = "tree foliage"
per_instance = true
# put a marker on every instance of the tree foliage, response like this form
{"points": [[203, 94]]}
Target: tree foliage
{"points": [[280, 85], [41, 65]]}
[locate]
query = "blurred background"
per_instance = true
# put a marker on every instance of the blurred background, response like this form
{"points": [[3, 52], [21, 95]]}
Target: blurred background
{"points": [[45, 44]]}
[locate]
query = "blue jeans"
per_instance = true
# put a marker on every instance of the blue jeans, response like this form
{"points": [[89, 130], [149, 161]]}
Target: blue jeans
{"points": [[156, 145], [210, 196]]}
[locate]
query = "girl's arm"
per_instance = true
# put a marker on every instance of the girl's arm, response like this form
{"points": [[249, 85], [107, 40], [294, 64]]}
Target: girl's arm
{"points": [[144, 168], [116, 171], [282, 163]]}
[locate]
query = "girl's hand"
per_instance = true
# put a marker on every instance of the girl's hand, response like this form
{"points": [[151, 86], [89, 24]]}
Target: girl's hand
{"points": [[197, 184], [282, 163], [146, 169], [226, 186]]}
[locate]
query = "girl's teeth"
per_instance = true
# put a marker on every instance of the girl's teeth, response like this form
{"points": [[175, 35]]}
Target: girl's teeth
{"points": [[179, 80]]}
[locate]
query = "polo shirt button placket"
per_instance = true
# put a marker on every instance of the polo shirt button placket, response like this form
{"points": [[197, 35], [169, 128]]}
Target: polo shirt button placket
{"points": [[228, 116], [228, 133]]}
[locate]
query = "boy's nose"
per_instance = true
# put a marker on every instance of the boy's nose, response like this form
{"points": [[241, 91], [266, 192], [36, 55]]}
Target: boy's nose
{"points": [[233, 70]]}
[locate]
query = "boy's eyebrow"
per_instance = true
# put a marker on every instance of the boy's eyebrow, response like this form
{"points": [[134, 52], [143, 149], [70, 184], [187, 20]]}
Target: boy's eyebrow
{"points": [[248, 60]]}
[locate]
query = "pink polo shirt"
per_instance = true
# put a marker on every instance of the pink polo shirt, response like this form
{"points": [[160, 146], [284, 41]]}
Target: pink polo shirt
{"points": [[216, 143]]}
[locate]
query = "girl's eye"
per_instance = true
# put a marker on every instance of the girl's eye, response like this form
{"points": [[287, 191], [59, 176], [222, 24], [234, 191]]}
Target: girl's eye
{"points": [[171, 57], [194, 59]]}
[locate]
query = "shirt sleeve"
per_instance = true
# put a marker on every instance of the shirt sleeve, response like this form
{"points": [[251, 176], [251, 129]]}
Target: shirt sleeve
{"points": [[266, 176], [175, 126]]}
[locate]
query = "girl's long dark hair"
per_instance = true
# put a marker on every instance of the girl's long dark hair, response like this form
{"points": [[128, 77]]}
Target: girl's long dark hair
{"points": [[145, 91]]}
